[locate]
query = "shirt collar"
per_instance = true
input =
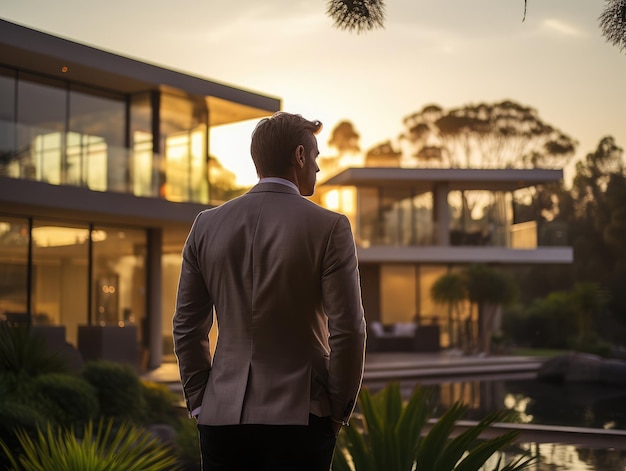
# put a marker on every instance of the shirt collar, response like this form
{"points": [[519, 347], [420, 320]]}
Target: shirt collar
{"points": [[281, 181]]}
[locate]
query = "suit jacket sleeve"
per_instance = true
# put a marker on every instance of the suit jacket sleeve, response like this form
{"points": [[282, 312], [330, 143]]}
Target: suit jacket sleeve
{"points": [[192, 321], [341, 293]]}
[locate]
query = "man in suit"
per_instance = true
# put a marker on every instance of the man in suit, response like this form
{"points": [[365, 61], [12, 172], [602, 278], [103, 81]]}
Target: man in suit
{"points": [[281, 273]]}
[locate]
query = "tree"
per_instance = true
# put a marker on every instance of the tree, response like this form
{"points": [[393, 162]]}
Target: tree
{"points": [[488, 290], [383, 155], [450, 289], [613, 23], [344, 138], [597, 220], [486, 135], [599, 201], [365, 15], [357, 15]]}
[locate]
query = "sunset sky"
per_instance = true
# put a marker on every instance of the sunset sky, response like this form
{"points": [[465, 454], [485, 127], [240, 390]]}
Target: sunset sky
{"points": [[445, 52]]}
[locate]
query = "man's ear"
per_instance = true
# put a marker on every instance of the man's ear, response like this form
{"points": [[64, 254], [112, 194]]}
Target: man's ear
{"points": [[299, 155]]}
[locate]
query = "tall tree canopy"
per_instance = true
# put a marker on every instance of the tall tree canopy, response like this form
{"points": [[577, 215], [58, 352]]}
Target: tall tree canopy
{"points": [[486, 135], [344, 138]]}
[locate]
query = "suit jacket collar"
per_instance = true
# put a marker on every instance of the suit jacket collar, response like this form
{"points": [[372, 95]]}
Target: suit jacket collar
{"points": [[273, 188]]}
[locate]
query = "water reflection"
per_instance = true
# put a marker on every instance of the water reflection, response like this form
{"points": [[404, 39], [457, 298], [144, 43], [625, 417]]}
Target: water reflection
{"points": [[561, 457], [533, 402]]}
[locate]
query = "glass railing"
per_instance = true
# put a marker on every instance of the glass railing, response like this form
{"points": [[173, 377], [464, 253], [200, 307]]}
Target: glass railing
{"points": [[526, 235], [90, 162]]}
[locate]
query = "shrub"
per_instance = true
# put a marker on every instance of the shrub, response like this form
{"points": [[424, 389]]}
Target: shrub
{"points": [[15, 416], [105, 448], [188, 445], [24, 356], [118, 388], [160, 405], [393, 437], [65, 399]]}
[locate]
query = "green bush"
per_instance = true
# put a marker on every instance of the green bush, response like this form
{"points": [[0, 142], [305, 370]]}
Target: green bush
{"points": [[393, 437], [118, 387], [16, 416], [188, 444], [160, 405], [65, 399], [24, 356], [547, 323], [101, 448]]}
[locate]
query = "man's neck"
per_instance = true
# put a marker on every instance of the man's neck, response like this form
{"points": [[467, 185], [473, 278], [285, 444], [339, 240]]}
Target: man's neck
{"points": [[281, 181]]}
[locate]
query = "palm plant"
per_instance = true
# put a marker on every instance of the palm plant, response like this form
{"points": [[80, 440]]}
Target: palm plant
{"points": [[450, 289], [394, 437], [101, 448], [24, 356], [488, 288]]}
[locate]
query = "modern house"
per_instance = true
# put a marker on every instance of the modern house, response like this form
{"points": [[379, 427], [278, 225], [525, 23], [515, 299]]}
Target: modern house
{"points": [[104, 163], [412, 225]]}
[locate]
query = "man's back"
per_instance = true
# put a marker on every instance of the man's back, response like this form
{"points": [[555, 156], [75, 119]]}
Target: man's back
{"points": [[281, 273], [263, 256]]}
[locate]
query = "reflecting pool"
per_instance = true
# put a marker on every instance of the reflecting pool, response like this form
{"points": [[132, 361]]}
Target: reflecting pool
{"points": [[533, 402]]}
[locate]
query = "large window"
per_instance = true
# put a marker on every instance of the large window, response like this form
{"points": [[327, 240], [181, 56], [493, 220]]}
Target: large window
{"points": [[149, 144], [394, 216], [96, 156], [14, 240], [398, 294], [7, 120], [141, 142], [60, 269], [41, 117], [480, 218], [119, 276], [184, 124]]}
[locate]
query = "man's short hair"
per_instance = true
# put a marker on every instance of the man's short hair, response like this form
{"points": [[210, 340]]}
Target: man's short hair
{"points": [[275, 139]]}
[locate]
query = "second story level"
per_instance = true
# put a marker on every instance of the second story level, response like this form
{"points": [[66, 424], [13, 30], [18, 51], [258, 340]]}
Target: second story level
{"points": [[78, 116], [446, 215]]}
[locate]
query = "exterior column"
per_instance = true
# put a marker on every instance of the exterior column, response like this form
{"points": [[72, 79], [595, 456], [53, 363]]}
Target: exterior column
{"points": [[154, 307], [441, 214]]}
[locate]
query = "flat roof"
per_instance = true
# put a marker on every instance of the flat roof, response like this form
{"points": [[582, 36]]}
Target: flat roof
{"points": [[423, 179], [43, 53]]}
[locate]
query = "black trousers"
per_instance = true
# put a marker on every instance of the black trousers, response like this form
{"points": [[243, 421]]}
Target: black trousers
{"points": [[268, 447]]}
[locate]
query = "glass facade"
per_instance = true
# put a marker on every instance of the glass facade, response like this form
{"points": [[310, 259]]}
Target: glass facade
{"points": [[41, 119], [405, 296], [152, 144], [96, 155], [119, 277], [184, 127], [8, 136], [387, 216], [394, 216], [481, 218], [14, 246], [60, 275], [144, 172], [65, 258]]}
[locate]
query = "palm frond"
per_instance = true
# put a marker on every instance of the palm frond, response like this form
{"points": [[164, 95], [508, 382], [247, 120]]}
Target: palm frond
{"points": [[357, 15], [613, 23]]}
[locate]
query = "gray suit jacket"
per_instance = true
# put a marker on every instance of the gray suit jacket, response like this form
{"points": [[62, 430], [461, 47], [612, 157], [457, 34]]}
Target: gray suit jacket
{"points": [[282, 275]]}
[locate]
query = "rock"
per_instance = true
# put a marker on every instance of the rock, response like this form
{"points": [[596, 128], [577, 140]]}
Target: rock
{"points": [[583, 368]]}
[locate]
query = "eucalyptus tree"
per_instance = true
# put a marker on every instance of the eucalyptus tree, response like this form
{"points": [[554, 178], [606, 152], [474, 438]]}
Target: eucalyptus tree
{"points": [[345, 138], [505, 134]]}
